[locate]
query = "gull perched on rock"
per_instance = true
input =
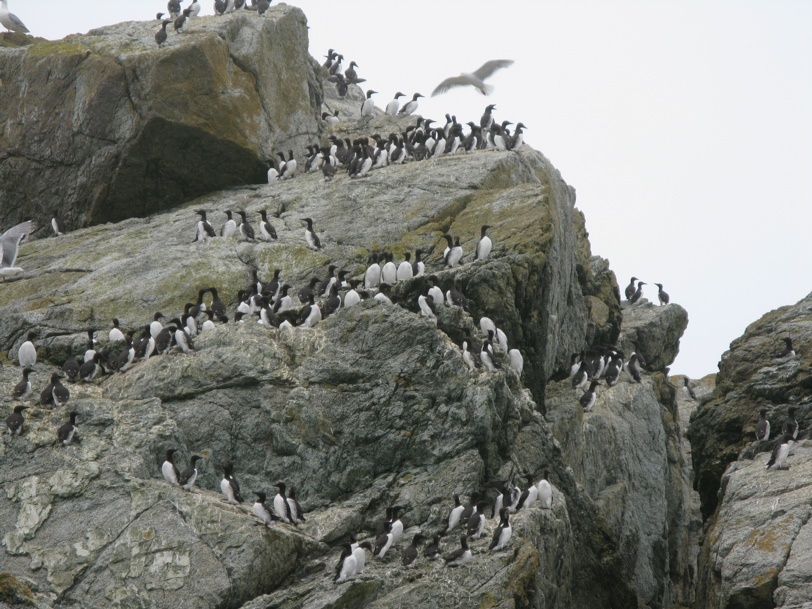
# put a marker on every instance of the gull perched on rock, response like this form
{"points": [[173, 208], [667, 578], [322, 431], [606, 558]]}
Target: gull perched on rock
{"points": [[10, 245], [475, 79], [10, 21]]}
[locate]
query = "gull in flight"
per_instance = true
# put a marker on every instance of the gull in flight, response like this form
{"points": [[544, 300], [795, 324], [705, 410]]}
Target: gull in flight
{"points": [[10, 245], [475, 79]]}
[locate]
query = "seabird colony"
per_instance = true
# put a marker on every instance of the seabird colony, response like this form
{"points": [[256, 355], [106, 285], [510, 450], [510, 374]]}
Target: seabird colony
{"points": [[271, 303]]}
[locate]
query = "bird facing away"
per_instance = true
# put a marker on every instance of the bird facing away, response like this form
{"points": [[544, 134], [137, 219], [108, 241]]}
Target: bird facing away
{"points": [[474, 79]]}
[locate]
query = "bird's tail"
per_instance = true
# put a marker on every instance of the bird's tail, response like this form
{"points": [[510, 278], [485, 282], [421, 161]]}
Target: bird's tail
{"points": [[487, 89]]}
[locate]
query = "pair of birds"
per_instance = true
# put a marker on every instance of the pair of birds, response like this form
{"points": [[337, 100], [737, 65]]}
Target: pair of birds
{"points": [[634, 294], [65, 433], [410, 107], [185, 479], [453, 253], [54, 394]]}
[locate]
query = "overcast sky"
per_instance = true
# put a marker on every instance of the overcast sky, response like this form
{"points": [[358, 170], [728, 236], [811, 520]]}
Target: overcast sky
{"points": [[685, 127]]}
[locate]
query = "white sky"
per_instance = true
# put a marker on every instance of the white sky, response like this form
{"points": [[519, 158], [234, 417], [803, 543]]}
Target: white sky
{"points": [[684, 126]]}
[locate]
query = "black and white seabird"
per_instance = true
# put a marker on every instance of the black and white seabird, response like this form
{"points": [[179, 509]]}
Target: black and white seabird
{"points": [[156, 326], [405, 270], [410, 554], [194, 8], [469, 356], [397, 525], [266, 229], [545, 490], [217, 305], [351, 75], [384, 541], [311, 314], [161, 36], [204, 229], [22, 389], [15, 420], [262, 7], [587, 400], [281, 507], [229, 485], [182, 19], [262, 511], [392, 106], [245, 228], [663, 296], [311, 238], [27, 353], [10, 21], [333, 302], [455, 298], [780, 452], [115, 334], [347, 564], [453, 253], [629, 292], [483, 248], [89, 370], [10, 247], [410, 107], [173, 6], [296, 512], [168, 468], [427, 307], [790, 426], [454, 516], [372, 276], [787, 352], [61, 395], [638, 293], [71, 366], [230, 226], [58, 225], [389, 272], [476, 523], [516, 360], [763, 426], [433, 551], [487, 358], [188, 476], [360, 556], [475, 79], [67, 430], [502, 534], [289, 169], [460, 556]]}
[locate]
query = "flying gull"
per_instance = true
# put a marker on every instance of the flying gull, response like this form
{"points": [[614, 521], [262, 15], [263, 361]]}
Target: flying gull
{"points": [[475, 79]]}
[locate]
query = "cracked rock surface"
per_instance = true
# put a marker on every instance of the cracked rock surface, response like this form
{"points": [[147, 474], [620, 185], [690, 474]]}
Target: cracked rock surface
{"points": [[105, 126]]}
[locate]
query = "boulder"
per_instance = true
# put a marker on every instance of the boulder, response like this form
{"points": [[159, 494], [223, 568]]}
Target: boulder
{"points": [[113, 127]]}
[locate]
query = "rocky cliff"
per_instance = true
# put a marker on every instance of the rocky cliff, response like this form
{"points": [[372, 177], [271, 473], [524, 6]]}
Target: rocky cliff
{"points": [[758, 542], [106, 126], [371, 408]]}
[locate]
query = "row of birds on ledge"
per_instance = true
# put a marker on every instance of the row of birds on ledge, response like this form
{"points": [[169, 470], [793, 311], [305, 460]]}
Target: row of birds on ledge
{"points": [[418, 142], [180, 17]]}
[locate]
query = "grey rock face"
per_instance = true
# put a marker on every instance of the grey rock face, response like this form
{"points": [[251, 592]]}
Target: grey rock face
{"points": [[750, 379], [629, 455], [757, 549], [656, 329], [113, 127]]}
